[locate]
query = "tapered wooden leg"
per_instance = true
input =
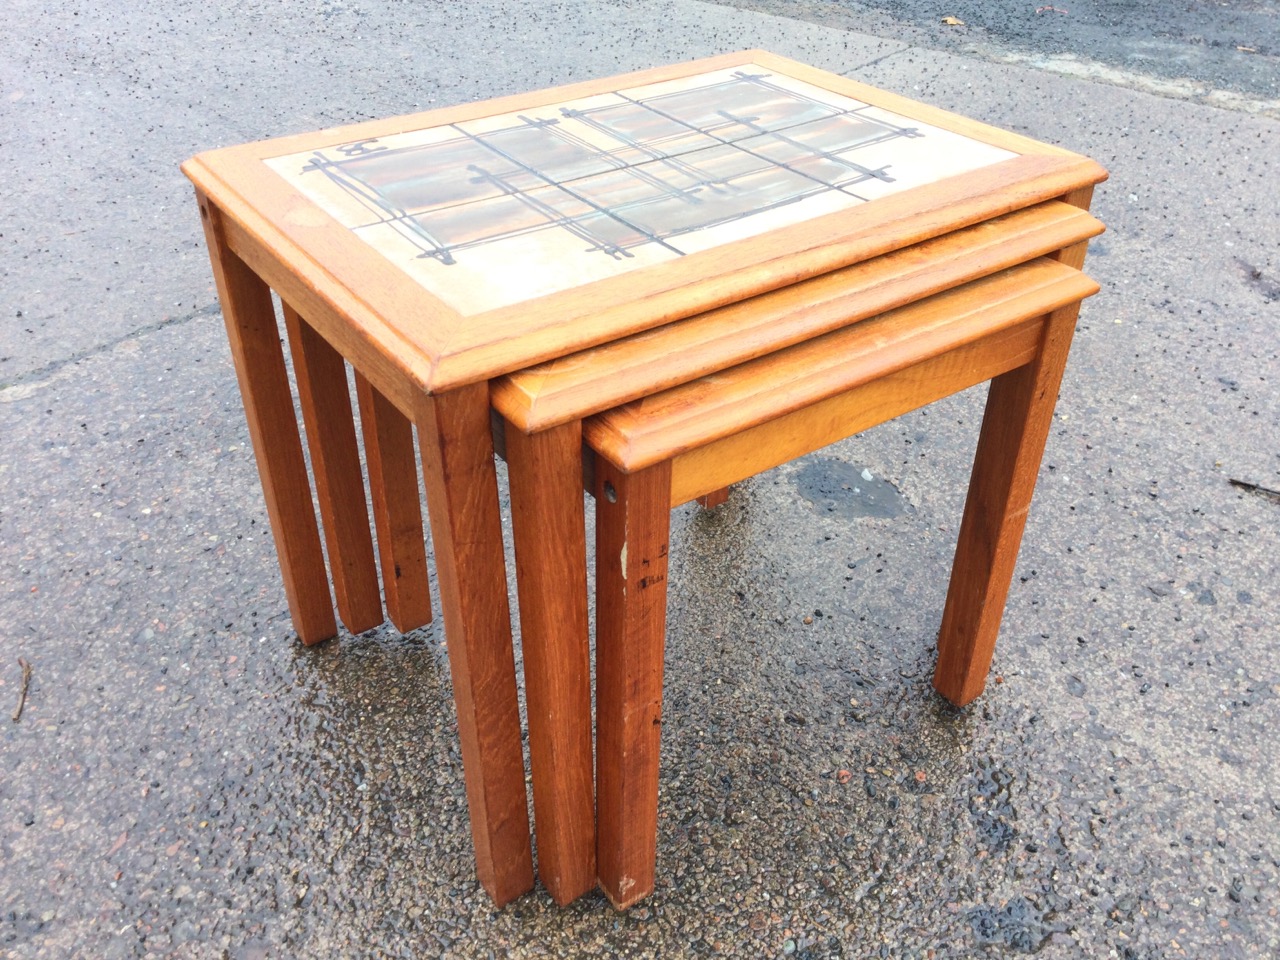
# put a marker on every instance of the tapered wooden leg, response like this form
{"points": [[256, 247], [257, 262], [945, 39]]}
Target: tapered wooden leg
{"points": [[632, 523], [1015, 427], [466, 528], [547, 520], [335, 459], [254, 337], [397, 511]]}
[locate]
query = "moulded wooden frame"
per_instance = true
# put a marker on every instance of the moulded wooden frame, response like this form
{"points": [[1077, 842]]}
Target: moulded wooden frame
{"points": [[402, 336], [597, 379]]}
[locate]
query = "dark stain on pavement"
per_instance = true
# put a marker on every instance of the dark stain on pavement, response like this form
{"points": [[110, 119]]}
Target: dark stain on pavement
{"points": [[848, 490]]}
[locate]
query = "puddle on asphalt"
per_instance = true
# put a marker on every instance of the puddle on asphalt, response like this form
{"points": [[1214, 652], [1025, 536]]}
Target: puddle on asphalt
{"points": [[847, 489]]}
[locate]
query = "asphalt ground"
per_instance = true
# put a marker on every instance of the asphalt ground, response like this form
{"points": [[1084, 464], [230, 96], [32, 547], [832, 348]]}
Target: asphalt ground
{"points": [[186, 781]]}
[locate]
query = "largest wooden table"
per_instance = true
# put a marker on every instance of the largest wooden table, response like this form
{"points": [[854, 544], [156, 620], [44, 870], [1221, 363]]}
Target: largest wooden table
{"points": [[439, 251]]}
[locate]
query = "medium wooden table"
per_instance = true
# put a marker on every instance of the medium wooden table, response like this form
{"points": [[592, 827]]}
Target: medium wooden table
{"points": [[436, 253]]}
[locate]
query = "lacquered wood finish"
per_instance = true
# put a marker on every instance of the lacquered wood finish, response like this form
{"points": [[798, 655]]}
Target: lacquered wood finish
{"points": [[631, 609], [371, 344], [664, 425], [607, 376], [462, 498], [397, 510], [394, 325], [1073, 255], [551, 575], [1014, 430], [647, 331], [502, 341], [335, 460], [254, 338], [864, 405], [654, 453], [713, 498]]}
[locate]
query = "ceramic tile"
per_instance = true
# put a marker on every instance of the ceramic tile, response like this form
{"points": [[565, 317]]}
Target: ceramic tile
{"points": [[506, 208]]}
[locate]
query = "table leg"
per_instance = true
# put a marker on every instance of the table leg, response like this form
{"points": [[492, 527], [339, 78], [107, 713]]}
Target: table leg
{"points": [[335, 460], [709, 501], [633, 516], [254, 338], [1073, 256], [547, 521], [397, 511], [1015, 427], [466, 527]]}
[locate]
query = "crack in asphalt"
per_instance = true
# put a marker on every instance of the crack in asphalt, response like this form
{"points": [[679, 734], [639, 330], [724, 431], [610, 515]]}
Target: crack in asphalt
{"points": [[876, 61], [49, 370]]}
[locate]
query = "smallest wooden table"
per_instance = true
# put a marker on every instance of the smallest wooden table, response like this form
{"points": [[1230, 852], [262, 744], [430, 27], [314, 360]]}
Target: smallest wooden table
{"points": [[438, 252], [658, 452]]}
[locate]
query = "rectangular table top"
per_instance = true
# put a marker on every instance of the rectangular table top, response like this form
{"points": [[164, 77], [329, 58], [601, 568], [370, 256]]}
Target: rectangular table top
{"points": [[475, 240]]}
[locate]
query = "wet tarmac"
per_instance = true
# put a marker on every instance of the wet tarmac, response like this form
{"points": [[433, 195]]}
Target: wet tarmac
{"points": [[186, 781]]}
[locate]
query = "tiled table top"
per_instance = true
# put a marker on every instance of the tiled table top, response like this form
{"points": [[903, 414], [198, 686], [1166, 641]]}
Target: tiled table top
{"points": [[494, 211], [468, 242]]}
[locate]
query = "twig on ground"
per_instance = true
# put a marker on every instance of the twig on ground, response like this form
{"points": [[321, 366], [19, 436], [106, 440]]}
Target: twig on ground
{"points": [[1254, 488], [22, 690]]}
